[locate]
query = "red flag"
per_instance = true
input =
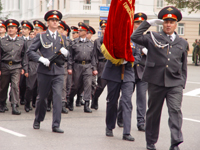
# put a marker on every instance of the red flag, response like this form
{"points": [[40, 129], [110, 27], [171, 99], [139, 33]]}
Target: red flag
{"points": [[116, 44]]}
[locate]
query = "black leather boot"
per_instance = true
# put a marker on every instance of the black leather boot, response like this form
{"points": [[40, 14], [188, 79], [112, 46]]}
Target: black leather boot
{"points": [[64, 110], [2, 110], [86, 107], [71, 104], [27, 106], [14, 110], [5, 107], [94, 104], [78, 101]]}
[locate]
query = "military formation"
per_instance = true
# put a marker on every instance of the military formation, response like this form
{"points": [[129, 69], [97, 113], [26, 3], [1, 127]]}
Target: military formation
{"points": [[45, 69]]}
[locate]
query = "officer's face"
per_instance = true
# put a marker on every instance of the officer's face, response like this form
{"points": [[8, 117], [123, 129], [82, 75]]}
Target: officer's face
{"points": [[36, 31], [25, 31], [169, 26], [82, 33], [137, 24], [75, 35], [2, 29], [65, 33], [32, 35], [12, 31], [89, 36], [103, 30], [60, 30], [53, 23]]}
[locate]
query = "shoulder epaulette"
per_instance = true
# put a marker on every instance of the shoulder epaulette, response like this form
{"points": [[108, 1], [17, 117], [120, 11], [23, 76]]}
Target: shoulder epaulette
{"points": [[43, 32]]}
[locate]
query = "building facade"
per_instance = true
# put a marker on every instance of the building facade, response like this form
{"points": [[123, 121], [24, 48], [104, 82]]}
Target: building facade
{"points": [[88, 11]]}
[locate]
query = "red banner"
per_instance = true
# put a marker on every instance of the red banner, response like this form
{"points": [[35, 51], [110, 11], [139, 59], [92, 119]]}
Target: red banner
{"points": [[116, 43]]}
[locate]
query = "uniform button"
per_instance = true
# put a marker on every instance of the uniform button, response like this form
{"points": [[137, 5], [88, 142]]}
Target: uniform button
{"points": [[55, 52], [170, 46], [55, 47], [55, 63], [167, 66], [168, 59], [138, 65], [169, 52]]}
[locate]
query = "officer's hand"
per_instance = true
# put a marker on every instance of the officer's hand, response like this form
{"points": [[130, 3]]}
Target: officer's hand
{"points": [[145, 51], [155, 22], [45, 61], [124, 62], [0, 72], [69, 72], [64, 51], [26, 75], [22, 71], [95, 73]]}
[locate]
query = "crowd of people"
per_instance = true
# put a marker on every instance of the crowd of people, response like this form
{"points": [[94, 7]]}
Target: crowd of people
{"points": [[196, 52], [47, 68]]}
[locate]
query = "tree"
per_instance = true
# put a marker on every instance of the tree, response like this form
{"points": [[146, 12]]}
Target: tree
{"points": [[1, 8], [193, 5]]}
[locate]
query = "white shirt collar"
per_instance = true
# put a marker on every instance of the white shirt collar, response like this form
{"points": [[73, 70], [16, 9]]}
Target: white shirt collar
{"points": [[173, 36], [26, 38], [83, 39], [13, 38], [53, 33]]}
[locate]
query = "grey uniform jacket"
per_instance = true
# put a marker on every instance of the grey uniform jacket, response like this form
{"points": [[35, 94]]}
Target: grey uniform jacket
{"points": [[113, 73], [46, 52], [163, 67], [12, 51]]}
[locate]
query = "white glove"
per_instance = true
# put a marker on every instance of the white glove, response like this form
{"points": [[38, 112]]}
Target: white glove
{"points": [[64, 51], [155, 22], [145, 51], [45, 61], [124, 62]]}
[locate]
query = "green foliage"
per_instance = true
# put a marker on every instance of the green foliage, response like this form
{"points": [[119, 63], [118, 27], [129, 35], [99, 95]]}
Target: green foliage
{"points": [[1, 8], [193, 5]]}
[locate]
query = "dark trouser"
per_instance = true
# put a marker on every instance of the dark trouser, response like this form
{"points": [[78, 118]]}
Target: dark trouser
{"points": [[22, 86], [173, 96], [82, 77], [31, 87], [13, 77], [141, 89], [45, 84], [114, 89], [69, 84], [64, 90], [101, 84]]}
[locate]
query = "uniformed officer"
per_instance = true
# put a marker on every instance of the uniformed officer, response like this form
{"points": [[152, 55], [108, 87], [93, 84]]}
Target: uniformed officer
{"points": [[100, 60], [12, 59], [83, 61], [2, 29], [165, 72], [141, 86], [19, 31], [115, 85], [74, 32], [50, 74], [26, 29], [196, 53], [32, 35]]}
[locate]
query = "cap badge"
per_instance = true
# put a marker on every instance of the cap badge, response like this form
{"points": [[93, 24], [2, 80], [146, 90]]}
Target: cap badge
{"points": [[55, 12], [140, 14], [169, 9]]}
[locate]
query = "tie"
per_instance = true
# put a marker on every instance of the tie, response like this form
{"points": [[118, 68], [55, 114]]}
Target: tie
{"points": [[171, 38], [53, 36]]}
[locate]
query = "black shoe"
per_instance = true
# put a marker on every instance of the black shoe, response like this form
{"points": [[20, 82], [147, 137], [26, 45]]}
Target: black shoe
{"points": [[151, 147], [128, 137], [78, 101], [57, 130], [141, 128], [71, 104], [196, 64], [109, 132], [27, 106], [36, 124], [48, 106], [2, 110], [64, 110], [15, 111], [82, 103], [30, 108], [22, 102], [33, 105], [86, 107], [6, 108], [174, 147], [120, 124], [94, 104]]}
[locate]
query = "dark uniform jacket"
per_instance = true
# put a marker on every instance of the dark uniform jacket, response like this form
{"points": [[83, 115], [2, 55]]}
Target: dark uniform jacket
{"points": [[46, 52], [81, 51], [113, 73], [12, 53], [163, 67]]}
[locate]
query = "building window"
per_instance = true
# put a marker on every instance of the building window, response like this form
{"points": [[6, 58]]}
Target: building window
{"points": [[64, 4], [88, 1], [159, 3], [159, 28], [181, 28], [86, 22], [40, 6], [58, 4]]}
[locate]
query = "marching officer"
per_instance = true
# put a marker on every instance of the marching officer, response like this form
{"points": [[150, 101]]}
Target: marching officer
{"points": [[141, 86], [165, 72], [12, 59], [50, 74], [2, 29], [83, 61], [100, 60], [74, 32], [196, 53]]}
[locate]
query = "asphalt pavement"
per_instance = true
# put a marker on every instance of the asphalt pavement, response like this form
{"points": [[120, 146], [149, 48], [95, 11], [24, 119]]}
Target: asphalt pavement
{"points": [[85, 131]]}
